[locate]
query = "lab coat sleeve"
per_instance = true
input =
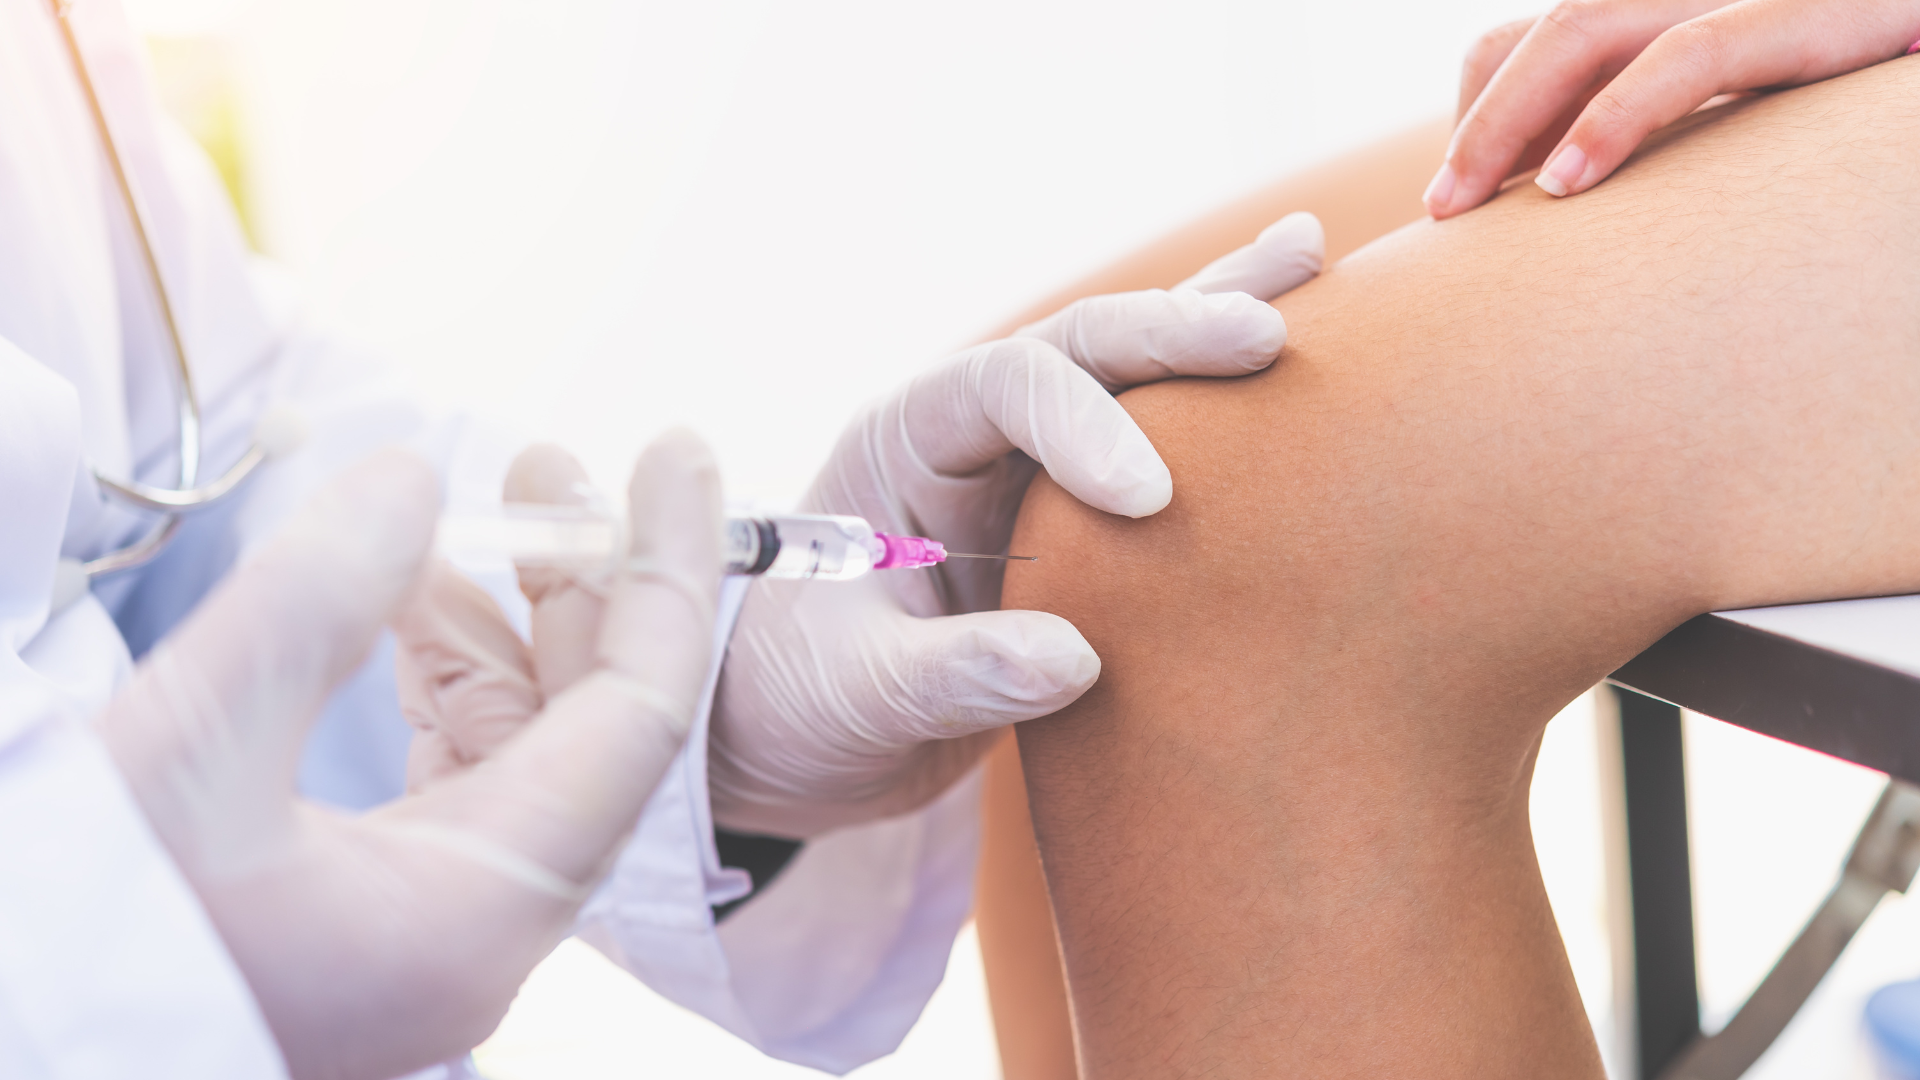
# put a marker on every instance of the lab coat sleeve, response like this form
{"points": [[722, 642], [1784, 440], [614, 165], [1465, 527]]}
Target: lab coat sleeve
{"points": [[830, 964], [99, 933]]}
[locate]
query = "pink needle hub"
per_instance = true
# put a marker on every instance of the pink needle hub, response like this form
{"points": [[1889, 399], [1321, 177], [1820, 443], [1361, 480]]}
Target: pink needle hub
{"points": [[908, 552]]}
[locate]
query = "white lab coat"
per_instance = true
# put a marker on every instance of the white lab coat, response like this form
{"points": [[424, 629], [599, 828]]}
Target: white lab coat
{"points": [[108, 965]]}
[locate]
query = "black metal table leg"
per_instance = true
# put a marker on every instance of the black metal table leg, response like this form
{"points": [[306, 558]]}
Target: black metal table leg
{"points": [[1666, 990]]}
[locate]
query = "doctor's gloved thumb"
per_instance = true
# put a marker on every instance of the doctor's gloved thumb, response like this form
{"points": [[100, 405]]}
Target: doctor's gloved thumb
{"points": [[988, 669]]}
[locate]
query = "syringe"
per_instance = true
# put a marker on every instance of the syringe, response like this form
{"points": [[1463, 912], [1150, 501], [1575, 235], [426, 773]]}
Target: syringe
{"points": [[822, 547]]}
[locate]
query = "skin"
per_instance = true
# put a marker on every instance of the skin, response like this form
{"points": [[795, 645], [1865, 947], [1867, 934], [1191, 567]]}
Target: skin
{"points": [[1026, 989], [1358, 197], [1286, 832]]}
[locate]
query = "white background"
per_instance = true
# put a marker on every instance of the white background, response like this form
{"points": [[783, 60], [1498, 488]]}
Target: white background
{"points": [[597, 218]]}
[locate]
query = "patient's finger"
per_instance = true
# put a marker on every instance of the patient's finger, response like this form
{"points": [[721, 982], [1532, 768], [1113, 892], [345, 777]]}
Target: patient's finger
{"points": [[1576, 46], [1753, 44], [1024, 394], [1127, 339], [1485, 58]]}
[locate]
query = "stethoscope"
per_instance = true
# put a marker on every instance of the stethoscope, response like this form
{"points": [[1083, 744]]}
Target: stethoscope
{"points": [[190, 495]]}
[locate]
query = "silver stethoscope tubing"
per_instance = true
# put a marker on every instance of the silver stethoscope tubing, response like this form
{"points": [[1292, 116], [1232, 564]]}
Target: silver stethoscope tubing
{"points": [[174, 501]]}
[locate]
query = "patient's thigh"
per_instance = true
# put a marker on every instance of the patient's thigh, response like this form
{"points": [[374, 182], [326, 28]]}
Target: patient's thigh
{"points": [[1697, 386]]}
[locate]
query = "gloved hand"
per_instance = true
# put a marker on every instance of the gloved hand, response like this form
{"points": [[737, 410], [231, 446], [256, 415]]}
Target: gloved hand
{"points": [[467, 681], [379, 944], [846, 702]]}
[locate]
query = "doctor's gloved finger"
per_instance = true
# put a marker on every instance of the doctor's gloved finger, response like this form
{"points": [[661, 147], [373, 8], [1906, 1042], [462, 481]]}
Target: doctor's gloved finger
{"points": [[1214, 323], [1126, 339], [462, 671], [544, 473], [571, 786], [1022, 393], [1286, 255], [565, 618], [672, 580], [431, 759], [227, 699], [1749, 45], [1562, 60]]}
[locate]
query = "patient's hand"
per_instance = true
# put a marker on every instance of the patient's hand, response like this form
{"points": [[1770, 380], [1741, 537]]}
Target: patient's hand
{"points": [[1591, 79]]}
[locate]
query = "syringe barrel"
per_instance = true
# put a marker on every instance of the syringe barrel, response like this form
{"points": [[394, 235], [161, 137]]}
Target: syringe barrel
{"points": [[799, 546], [534, 534], [824, 547]]}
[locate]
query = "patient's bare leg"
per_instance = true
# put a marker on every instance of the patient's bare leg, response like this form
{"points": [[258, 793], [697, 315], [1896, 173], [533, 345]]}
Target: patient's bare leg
{"points": [[1286, 833], [1359, 197]]}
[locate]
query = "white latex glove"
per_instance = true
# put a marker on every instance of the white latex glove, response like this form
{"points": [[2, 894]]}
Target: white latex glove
{"points": [[846, 702], [383, 943], [467, 681]]}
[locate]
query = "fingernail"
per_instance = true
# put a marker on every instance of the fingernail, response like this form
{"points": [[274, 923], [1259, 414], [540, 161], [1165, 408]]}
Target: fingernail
{"points": [[1439, 194], [1563, 172]]}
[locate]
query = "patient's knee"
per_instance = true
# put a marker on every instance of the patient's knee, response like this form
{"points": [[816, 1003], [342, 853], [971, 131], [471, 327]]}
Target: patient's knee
{"points": [[1306, 595], [1149, 592], [1208, 613]]}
